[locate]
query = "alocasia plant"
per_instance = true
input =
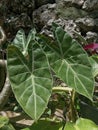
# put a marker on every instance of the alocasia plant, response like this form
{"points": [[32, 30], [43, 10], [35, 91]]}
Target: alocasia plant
{"points": [[32, 60]]}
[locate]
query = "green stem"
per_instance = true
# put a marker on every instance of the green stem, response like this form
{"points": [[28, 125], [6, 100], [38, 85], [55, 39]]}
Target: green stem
{"points": [[72, 107], [61, 89], [73, 97]]}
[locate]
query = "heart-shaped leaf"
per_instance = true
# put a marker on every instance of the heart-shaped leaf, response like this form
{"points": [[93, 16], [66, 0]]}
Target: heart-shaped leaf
{"points": [[30, 79], [81, 124], [71, 63]]}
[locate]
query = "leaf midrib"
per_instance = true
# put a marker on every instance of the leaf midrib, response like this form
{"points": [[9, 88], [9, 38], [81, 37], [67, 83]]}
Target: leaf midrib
{"points": [[33, 84]]}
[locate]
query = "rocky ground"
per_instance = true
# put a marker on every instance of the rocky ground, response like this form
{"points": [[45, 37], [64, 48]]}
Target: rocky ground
{"points": [[78, 15]]}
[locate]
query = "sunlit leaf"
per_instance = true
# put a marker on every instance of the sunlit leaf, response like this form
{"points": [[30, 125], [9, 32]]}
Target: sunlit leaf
{"points": [[81, 124], [30, 79]]}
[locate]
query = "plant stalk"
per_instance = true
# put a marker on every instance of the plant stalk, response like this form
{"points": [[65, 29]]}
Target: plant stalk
{"points": [[61, 89]]}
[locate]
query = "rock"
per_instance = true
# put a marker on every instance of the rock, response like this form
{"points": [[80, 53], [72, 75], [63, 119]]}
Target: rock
{"points": [[93, 14], [13, 23], [69, 3], [91, 37], [71, 12], [39, 3], [70, 26], [43, 14], [96, 24], [87, 24], [20, 6], [78, 3], [64, 2], [72, 15], [90, 5]]}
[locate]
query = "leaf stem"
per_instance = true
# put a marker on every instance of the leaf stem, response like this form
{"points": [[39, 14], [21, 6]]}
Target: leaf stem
{"points": [[60, 89], [73, 112]]}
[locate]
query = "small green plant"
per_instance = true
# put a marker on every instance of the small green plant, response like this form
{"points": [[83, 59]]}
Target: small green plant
{"points": [[32, 64]]}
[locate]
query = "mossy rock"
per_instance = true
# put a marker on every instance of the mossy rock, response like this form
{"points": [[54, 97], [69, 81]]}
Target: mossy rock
{"points": [[71, 13]]}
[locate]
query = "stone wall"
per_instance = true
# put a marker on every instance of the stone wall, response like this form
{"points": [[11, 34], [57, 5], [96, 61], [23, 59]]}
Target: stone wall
{"points": [[73, 15], [82, 13]]}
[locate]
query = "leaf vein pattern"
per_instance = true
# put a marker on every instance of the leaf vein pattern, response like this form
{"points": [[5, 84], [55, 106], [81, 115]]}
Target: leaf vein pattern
{"points": [[42, 68], [82, 85], [22, 95], [23, 63], [75, 83], [21, 74], [70, 48], [67, 74], [23, 82], [77, 77], [81, 54], [34, 93], [60, 67], [42, 87], [59, 44], [85, 66], [84, 77], [42, 78]]}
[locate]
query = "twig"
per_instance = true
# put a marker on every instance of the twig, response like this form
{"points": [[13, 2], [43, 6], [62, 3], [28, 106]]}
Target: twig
{"points": [[2, 73], [3, 63], [5, 93], [6, 88], [3, 36]]}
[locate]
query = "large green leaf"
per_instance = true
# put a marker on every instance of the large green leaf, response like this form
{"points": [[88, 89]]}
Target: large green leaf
{"points": [[81, 124], [71, 63], [30, 79], [45, 125]]}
